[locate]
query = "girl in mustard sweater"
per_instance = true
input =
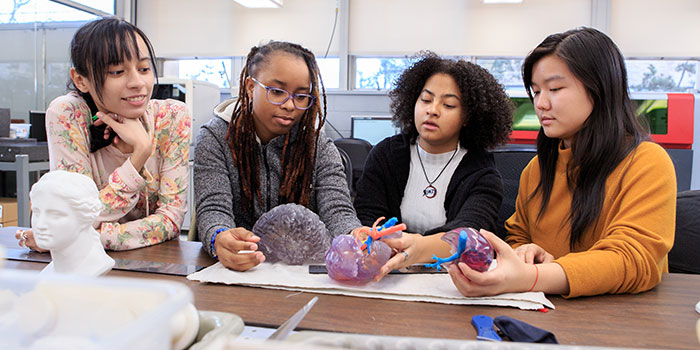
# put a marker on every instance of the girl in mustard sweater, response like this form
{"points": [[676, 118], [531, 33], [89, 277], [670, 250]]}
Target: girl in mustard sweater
{"points": [[596, 206]]}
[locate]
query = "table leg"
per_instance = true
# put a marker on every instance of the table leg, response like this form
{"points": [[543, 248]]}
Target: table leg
{"points": [[22, 166]]}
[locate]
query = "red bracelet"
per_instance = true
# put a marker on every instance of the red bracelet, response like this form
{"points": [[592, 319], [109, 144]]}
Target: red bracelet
{"points": [[537, 276]]}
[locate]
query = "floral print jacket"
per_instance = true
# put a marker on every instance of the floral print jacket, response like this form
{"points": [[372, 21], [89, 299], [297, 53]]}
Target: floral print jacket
{"points": [[139, 208]]}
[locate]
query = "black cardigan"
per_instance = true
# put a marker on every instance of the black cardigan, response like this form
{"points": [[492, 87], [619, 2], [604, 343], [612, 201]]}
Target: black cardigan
{"points": [[474, 193]]}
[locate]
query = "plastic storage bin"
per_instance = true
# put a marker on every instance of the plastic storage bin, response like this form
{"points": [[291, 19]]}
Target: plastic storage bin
{"points": [[58, 311]]}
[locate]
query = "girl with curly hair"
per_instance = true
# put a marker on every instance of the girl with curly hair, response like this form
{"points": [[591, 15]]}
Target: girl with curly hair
{"points": [[437, 174], [596, 207], [266, 148]]}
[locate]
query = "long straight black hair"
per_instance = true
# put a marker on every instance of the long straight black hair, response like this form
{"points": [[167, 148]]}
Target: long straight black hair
{"points": [[609, 134]]}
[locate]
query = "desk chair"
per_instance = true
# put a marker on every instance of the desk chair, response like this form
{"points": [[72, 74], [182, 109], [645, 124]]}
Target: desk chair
{"points": [[685, 254], [38, 129], [510, 162], [5, 122], [357, 150]]}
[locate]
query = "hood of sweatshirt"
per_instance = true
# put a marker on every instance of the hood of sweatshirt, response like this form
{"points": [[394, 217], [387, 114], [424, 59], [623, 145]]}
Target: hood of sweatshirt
{"points": [[224, 110]]}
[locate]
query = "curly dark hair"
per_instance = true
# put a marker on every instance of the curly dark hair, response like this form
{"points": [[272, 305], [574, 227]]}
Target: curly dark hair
{"points": [[488, 107]]}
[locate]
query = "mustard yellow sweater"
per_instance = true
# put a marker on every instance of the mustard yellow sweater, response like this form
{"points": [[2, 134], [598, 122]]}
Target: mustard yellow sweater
{"points": [[627, 250]]}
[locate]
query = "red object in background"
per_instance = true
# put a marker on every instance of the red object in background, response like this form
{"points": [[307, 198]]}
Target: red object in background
{"points": [[681, 110]]}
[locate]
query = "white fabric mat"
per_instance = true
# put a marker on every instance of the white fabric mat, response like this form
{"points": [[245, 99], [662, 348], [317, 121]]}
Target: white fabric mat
{"points": [[436, 288]]}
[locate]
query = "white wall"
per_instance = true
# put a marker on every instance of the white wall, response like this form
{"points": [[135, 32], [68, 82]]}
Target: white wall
{"points": [[656, 28], [214, 28], [187, 28], [459, 27]]}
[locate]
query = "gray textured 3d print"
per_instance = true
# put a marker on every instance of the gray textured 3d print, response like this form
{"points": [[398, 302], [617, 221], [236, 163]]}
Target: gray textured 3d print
{"points": [[292, 234]]}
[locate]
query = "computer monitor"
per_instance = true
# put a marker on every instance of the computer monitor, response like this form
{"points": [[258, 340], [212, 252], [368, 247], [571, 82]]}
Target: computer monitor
{"points": [[164, 91], [38, 129], [372, 128]]}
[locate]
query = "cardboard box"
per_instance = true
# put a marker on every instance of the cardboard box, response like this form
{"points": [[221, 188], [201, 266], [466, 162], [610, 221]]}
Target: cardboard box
{"points": [[8, 211]]}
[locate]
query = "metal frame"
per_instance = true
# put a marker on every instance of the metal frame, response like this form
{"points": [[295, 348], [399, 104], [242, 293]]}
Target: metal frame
{"points": [[21, 166]]}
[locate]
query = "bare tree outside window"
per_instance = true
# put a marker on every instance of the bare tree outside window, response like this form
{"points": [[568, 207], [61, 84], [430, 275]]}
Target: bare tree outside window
{"points": [[379, 73], [662, 75]]}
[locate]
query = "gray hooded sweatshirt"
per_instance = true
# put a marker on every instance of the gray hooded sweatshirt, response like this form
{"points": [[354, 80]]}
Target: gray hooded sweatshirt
{"points": [[217, 188]]}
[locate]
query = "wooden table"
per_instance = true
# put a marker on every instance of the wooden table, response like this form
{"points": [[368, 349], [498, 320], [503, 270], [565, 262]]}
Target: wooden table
{"points": [[664, 317]]}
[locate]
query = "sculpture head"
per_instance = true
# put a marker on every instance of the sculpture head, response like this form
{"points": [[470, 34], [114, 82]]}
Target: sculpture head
{"points": [[64, 206]]}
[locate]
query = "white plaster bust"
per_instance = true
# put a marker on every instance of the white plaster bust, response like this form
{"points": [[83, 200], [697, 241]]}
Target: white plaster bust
{"points": [[64, 207]]}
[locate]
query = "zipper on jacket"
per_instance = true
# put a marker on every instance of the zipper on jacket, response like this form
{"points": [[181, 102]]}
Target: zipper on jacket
{"points": [[267, 174]]}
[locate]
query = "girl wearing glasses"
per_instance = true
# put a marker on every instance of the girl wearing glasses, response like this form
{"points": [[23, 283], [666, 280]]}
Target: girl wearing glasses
{"points": [[266, 148], [596, 207], [133, 147]]}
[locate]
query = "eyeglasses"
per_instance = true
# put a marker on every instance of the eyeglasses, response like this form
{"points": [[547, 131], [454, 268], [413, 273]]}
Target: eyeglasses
{"points": [[278, 96]]}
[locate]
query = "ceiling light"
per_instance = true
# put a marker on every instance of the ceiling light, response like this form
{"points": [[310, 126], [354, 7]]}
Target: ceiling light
{"points": [[260, 3], [502, 1]]}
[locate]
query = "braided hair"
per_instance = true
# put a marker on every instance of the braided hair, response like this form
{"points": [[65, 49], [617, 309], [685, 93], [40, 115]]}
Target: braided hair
{"points": [[298, 158]]}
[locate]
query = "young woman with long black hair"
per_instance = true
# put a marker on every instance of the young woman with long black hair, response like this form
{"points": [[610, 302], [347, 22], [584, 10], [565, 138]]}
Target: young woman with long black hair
{"points": [[596, 206], [595, 212]]}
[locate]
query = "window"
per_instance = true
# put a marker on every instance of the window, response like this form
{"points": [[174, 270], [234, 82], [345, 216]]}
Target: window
{"points": [[29, 11], [216, 71], [662, 75], [35, 67], [505, 70], [378, 73]]}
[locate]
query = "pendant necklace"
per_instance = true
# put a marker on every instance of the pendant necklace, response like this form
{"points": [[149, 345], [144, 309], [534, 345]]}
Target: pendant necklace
{"points": [[430, 191]]}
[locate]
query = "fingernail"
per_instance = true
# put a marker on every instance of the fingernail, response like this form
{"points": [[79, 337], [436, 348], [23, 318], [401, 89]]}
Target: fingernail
{"points": [[253, 247]]}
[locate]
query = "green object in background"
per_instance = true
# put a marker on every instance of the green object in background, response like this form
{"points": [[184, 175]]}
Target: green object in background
{"points": [[524, 117], [656, 114], [653, 112]]}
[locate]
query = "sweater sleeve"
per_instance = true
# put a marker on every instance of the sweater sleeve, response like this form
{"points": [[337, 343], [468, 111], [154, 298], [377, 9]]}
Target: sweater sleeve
{"points": [[333, 197], [172, 143], [67, 123], [212, 182], [479, 208], [517, 225], [631, 254], [372, 189]]}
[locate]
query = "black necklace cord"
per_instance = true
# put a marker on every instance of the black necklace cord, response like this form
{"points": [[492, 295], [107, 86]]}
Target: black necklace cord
{"points": [[430, 183]]}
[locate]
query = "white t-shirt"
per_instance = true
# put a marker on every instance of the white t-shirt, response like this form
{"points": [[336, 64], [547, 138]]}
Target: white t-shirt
{"points": [[419, 212]]}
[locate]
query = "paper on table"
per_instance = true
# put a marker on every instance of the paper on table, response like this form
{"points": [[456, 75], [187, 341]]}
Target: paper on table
{"points": [[437, 288]]}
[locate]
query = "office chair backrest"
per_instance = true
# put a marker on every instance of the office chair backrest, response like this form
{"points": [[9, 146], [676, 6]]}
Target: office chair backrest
{"points": [[685, 254], [510, 162], [38, 129], [357, 150], [5, 122]]}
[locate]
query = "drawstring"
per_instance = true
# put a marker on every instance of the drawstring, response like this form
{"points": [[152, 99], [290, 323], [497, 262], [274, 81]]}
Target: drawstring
{"points": [[147, 210]]}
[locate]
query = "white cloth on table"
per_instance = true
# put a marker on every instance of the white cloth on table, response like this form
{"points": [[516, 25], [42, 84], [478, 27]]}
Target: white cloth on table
{"points": [[437, 288]]}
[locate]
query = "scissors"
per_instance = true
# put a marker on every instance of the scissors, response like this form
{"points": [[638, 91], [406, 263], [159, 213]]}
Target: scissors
{"points": [[288, 326]]}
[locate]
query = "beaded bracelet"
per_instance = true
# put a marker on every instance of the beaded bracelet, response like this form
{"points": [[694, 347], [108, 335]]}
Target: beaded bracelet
{"points": [[213, 239]]}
